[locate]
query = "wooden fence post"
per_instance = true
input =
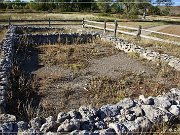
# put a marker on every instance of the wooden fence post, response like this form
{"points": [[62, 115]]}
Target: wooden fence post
{"points": [[115, 28], [83, 24], [49, 22], [9, 21], [139, 31], [105, 26]]}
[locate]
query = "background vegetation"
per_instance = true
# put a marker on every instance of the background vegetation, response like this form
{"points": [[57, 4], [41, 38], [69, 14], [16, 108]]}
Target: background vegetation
{"points": [[128, 8]]}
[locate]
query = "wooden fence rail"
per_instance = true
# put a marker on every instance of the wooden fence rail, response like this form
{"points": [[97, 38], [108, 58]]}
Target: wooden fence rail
{"points": [[139, 31], [87, 23]]}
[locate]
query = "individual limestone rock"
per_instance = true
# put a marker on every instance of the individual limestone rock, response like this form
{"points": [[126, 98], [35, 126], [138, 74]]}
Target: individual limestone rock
{"points": [[86, 124], [108, 131], [175, 109], [75, 114], [108, 111], [100, 125], [9, 127], [36, 123], [69, 125], [48, 126], [146, 101], [118, 128], [88, 112], [62, 116], [130, 117], [50, 119], [162, 102], [7, 118], [131, 126], [22, 126], [126, 103], [155, 115], [144, 124], [137, 111], [75, 132]]}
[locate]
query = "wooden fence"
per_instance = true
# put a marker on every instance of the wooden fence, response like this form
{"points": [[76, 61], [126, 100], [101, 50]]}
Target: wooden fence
{"points": [[48, 22], [115, 30], [105, 26]]}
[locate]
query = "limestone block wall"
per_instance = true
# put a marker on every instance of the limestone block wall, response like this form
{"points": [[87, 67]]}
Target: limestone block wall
{"points": [[145, 53], [6, 62]]}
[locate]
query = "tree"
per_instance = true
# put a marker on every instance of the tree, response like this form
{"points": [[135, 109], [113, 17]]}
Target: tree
{"points": [[2, 5], [143, 5], [166, 3], [104, 5]]}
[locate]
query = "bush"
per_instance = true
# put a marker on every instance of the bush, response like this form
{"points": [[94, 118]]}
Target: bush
{"points": [[154, 10]]}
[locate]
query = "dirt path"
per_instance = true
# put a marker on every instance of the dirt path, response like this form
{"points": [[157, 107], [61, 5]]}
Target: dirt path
{"points": [[116, 65]]}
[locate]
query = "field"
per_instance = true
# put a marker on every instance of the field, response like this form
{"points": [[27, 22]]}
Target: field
{"points": [[172, 30], [78, 16]]}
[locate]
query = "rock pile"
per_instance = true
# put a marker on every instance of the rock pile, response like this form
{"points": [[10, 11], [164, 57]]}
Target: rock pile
{"points": [[145, 53], [126, 116], [6, 64]]}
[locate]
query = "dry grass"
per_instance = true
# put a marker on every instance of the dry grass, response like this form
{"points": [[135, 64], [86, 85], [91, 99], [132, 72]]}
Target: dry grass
{"points": [[100, 89], [172, 30], [79, 16], [160, 47], [2, 33], [74, 56]]}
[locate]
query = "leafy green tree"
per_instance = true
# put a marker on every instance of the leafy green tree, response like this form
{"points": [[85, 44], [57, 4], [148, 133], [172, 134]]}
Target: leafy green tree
{"points": [[104, 5], [143, 5], [2, 5], [166, 3], [154, 10]]}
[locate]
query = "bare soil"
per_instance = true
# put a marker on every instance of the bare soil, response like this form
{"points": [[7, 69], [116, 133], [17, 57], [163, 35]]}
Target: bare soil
{"points": [[173, 29], [95, 74]]}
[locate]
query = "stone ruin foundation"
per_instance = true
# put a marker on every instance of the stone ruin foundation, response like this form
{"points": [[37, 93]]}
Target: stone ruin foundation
{"points": [[130, 116]]}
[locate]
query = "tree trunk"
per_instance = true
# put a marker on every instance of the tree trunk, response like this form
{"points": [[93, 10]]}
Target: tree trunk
{"points": [[144, 14]]}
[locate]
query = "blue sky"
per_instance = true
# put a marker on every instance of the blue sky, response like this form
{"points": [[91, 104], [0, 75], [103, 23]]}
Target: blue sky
{"points": [[177, 2]]}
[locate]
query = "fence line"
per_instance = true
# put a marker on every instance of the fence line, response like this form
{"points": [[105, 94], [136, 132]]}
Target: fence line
{"points": [[105, 24], [139, 29]]}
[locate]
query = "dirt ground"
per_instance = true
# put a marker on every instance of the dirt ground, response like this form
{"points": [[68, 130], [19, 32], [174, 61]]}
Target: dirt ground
{"points": [[174, 29], [94, 74]]}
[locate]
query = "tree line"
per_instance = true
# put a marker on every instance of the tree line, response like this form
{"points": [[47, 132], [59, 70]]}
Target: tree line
{"points": [[128, 8]]}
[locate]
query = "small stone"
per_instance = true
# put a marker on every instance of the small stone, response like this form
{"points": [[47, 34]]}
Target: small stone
{"points": [[144, 124], [75, 114], [108, 131], [48, 126], [62, 116], [130, 117], [126, 103], [118, 128], [162, 102], [100, 125], [156, 115], [137, 111], [7, 118], [88, 112], [175, 109], [50, 119], [36, 123], [108, 111], [22, 126], [69, 125]]}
